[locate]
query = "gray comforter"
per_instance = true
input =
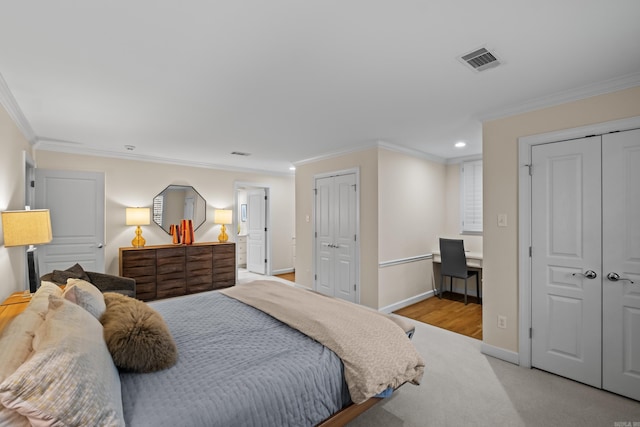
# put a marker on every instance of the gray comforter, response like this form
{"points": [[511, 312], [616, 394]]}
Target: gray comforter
{"points": [[237, 367]]}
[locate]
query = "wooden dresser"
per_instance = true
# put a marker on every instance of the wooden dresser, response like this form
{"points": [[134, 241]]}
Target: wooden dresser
{"points": [[171, 270]]}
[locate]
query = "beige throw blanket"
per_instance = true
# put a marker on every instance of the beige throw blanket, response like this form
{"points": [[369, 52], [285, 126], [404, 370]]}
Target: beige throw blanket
{"points": [[375, 351]]}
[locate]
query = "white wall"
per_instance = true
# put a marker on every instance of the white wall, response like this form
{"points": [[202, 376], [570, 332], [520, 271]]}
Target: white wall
{"points": [[136, 183], [12, 196]]}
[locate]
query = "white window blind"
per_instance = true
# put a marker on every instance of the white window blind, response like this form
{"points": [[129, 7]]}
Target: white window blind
{"points": [[471, 197]]}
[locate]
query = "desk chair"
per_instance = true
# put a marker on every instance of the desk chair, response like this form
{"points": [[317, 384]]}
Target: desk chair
{"points": [[454, 264]]}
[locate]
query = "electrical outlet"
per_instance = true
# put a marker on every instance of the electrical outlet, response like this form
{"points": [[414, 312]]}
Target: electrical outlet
{"points": [[502, 322]]}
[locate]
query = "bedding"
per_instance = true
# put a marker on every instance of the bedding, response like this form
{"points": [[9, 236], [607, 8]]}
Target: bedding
{"points": [[376, 352], [237, 366]]}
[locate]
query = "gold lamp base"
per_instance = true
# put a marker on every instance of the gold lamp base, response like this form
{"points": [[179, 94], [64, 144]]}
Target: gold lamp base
{"points": [[138, 241], [223, 237]]}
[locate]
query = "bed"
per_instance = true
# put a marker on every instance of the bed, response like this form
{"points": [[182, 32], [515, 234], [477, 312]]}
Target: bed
{"points": [[237, 366]]}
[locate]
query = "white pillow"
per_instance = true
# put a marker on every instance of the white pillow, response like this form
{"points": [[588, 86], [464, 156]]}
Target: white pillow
{"points": [[86, 295], [16, 343], [70, 379]]}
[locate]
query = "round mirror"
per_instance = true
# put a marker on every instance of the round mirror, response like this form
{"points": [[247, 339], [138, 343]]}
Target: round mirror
{"points": [[178, 202]]}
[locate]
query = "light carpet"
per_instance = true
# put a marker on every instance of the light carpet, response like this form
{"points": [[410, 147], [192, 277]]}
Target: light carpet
{"points": [[463, 387]]}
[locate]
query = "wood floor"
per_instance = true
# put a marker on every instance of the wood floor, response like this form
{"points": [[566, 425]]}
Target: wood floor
{"points": [[448, 313]]}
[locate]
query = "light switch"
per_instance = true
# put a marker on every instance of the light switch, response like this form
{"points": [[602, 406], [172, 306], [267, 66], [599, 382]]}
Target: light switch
{"points": [[502, 220], [307, 218]]}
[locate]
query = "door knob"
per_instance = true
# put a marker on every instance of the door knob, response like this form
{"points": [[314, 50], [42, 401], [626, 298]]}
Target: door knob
{"points": [[615, 277], [589, 274], [100, 245]]}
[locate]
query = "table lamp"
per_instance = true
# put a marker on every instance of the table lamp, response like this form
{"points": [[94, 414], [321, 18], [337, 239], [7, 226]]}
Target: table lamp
{"points": [[138, 217], [223, 217], [28, 228]]}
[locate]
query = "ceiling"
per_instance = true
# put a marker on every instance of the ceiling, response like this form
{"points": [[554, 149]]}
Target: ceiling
{"points": [[292, 80]]}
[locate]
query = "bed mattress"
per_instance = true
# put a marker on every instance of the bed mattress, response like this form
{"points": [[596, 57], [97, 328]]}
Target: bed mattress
{"points": [[237, 366]]}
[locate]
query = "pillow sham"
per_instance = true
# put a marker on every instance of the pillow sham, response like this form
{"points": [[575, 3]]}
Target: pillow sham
{"points": [[136, 335], [70, 379], [86, 296]]}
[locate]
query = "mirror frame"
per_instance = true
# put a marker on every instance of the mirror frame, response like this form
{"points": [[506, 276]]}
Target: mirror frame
{"points": [[197, 222]]}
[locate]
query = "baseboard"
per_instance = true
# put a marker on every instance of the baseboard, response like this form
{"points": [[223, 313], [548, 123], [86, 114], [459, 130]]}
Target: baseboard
{"points": [[407, 302], [500, 353], [282, 271]]}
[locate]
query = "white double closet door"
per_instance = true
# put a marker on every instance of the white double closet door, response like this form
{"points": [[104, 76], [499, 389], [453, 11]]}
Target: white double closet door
{"points": [[336, 236], [585, 256]]}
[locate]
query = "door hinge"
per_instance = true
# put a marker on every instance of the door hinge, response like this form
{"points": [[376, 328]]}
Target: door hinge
{"points": [[354, 287], [530, 251], [530, 332], [355, 238], [315, 191], [33, 184], [265, 229], [354, 187], [265, 197], [316, 234], [530, 169], [315, 277], [265, 260]]}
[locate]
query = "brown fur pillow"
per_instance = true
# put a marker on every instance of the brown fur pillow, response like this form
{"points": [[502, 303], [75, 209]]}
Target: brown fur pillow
{"points": [[136, 335]]}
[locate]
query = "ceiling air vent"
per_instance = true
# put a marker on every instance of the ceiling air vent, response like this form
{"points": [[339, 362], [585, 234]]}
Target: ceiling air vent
{"points": [[240, 153], [480, 59]]}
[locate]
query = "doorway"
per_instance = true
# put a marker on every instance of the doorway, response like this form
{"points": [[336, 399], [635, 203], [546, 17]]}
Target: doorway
{"points": [[252, 223], [584, 236]]}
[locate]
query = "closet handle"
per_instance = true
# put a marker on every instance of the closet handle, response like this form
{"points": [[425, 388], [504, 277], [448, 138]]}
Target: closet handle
{"points": [[614, 277], [589, 274]]}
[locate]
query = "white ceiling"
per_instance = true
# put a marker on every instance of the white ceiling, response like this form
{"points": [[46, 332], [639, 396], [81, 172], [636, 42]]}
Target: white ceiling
{"points": [[292, 80]]}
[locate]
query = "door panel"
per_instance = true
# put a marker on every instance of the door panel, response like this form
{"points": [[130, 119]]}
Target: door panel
{"points": [[621, 255], [256, 231], [566, 202], [325, 264], [76, 202]]}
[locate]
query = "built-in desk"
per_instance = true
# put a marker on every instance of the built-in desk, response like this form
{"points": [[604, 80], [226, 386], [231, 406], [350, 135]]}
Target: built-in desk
{"points": [[474, 259]]}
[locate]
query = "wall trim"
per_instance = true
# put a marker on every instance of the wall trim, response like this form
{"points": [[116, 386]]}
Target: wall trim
{"points": [[576, 94], [407, 302], [524, 215], [404, 260], [500, 353], [282, 271], [13, 109]]}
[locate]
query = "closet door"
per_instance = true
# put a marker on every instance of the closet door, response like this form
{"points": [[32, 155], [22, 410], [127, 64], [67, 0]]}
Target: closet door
{"points": [[565, 264], [335, 236], [621, 263]]}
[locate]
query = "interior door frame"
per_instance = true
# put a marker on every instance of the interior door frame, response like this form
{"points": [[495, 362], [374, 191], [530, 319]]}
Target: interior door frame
{"points": [[356, 257], [524, 216], [244, 185]]}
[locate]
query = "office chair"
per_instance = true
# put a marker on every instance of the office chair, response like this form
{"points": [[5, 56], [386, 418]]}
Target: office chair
{"points": [[454, 264]]}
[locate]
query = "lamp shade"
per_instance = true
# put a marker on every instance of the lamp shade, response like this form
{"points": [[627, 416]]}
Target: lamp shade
{"points": [[22, 228], [223, 216], [138, 216]]}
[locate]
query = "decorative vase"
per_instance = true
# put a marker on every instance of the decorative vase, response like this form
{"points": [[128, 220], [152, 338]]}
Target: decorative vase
{"points": [[175, 233]]}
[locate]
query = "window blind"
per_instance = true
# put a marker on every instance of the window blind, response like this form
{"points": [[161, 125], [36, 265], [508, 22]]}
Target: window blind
{"points": [[471, 197]]}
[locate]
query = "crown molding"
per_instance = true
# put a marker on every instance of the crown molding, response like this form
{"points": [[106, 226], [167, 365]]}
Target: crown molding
{"points": [[367, 146], [582, 92], [13, 109], [45, 145]]}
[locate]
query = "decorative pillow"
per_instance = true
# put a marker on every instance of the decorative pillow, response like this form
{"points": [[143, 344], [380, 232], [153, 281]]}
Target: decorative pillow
{"points": [[136, 335], [86, 296], [74, 272], [70, 380]]}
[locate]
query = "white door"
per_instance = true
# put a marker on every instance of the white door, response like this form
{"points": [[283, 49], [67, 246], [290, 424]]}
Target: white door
{"points": [[336, 234], [566, 320], [76, 203], [256, 231], [621, 256], [586, 254]]}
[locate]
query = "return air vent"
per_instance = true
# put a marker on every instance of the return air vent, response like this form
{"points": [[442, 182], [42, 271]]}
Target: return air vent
{"points": [[240, 153], [480, 59]]}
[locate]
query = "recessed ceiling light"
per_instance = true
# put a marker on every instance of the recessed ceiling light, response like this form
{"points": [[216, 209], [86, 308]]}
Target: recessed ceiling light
{"points": [[460, 144], [292, 168]]}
